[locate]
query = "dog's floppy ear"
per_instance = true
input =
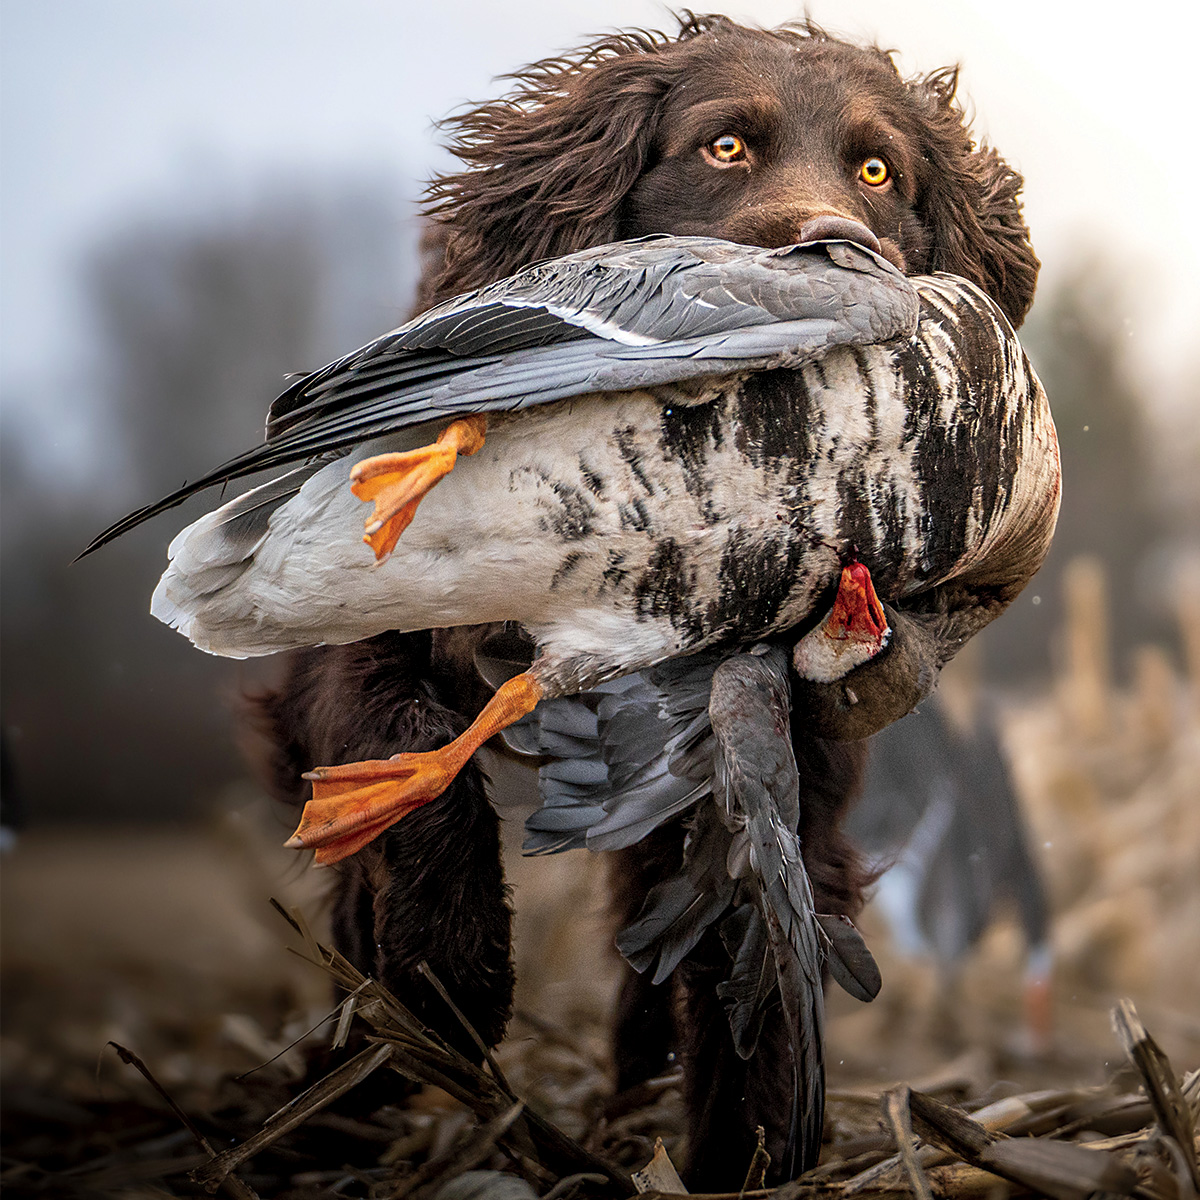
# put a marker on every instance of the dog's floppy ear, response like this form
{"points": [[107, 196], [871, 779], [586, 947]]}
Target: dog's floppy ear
{"points": [[972, 204], [549, 164]]}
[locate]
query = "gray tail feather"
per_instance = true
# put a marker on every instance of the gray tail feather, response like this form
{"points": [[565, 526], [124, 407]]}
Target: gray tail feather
{"points": [[673, 920], [213, 552], [234, 531]]}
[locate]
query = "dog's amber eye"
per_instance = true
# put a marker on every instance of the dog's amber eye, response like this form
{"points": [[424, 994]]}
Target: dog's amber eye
{"points": [[728, 148], [874, 171]]}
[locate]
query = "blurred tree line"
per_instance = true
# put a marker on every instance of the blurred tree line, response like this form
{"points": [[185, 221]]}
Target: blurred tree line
{"points": [[108, 715]]}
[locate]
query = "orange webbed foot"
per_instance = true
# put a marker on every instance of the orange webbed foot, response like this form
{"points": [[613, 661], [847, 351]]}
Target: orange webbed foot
{"points": [[354, 803], [397, 483]]}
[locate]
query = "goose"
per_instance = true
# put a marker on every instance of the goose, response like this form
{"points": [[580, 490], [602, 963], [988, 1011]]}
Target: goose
{"points": [[647, 449]]}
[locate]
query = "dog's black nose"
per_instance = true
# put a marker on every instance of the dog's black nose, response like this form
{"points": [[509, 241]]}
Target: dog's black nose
{"points": [[830, 226]]}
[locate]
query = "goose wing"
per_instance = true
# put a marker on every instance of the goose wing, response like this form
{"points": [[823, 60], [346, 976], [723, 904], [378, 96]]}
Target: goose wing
{"points": [[629, 315], [651, 746]]}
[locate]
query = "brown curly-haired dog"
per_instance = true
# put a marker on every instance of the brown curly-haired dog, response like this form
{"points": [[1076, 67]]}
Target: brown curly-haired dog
{"points": [[721, 130]]}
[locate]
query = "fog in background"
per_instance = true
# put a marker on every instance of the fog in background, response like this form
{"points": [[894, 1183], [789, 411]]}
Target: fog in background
{"points": [[199, 197]]}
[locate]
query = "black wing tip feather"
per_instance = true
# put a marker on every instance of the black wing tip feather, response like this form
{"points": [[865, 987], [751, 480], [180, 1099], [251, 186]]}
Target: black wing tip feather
{"points": [[137, 517], [245, 464], [233, 469]]}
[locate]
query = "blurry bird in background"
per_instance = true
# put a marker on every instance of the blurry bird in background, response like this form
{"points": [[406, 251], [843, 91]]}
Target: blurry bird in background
{"points": [[12, 807], [939, 815]]}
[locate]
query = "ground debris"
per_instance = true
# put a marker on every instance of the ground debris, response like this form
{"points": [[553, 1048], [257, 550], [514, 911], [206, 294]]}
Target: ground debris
{"points": [[388, 1109]]}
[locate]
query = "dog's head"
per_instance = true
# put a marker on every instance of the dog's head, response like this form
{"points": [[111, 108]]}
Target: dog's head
{"points": [[730, 132]]}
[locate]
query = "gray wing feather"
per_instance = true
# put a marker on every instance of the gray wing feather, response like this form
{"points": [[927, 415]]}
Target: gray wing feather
{"points": [[645, 751], [804, 1009], [751, 978], [678, 911], [760, 787], [675, 918], [850, 963], [716, 727], [640, 812], [648, 732]]}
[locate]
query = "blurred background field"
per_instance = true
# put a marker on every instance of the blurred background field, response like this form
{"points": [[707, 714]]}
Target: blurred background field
{"points": [[201, 197]]}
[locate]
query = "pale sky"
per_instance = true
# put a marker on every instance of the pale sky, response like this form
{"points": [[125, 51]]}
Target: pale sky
{"points": [[116, 107]]}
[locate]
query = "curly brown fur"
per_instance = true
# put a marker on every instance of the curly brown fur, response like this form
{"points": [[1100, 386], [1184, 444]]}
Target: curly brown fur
{"points": [[587, 148], [431, 889], [609, 143]]}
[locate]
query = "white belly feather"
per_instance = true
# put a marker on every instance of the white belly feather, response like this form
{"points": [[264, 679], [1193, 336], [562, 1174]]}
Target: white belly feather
{"points": [[489, 543]]}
